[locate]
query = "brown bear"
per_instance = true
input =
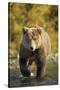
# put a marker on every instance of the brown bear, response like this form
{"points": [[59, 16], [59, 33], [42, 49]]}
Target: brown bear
{"points": [[35, 46]]}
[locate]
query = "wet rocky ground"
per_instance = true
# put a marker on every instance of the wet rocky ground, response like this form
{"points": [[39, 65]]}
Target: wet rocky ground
{"points": [[15, 81]]}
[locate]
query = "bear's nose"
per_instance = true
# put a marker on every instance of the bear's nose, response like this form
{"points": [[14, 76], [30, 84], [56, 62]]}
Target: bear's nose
{"points": [[31, 48]]}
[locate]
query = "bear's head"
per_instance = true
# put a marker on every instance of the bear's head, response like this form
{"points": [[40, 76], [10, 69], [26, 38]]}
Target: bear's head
{"points": [[32, 38]]}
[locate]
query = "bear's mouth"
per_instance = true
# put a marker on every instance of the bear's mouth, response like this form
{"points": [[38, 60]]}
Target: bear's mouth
{"points": [[32, 49], [35, 51]]}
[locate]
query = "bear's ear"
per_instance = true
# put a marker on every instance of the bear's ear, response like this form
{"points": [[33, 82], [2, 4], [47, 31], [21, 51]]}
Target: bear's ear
{"points": [[25, 30], [39, 31]]}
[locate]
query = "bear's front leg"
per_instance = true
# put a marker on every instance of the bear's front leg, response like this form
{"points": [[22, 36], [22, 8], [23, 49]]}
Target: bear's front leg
{"points": [[24, 67], [41, 68]]}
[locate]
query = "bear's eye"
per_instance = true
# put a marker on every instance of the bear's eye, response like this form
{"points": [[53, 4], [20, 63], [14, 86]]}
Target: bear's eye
{"points": [[34, 37]]}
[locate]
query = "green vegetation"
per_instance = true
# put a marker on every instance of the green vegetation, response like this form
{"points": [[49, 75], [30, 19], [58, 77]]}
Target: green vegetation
{"points": [[21, 15]]}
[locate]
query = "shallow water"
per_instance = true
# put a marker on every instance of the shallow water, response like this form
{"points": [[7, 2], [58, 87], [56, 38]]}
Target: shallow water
{"points": [[15, 81]]}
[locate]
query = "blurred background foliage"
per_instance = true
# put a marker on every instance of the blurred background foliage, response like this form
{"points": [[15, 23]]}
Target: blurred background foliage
{"points": [[20, 15]]}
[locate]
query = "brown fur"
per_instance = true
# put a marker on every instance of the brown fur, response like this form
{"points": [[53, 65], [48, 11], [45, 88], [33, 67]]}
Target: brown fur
{"points": [[39, 40]]}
